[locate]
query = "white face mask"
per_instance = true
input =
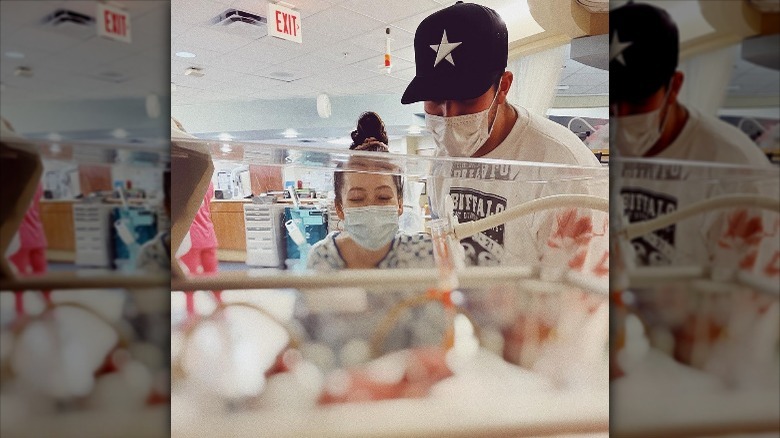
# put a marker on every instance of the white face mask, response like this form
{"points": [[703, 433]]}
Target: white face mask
{"points": [[371, 227], [461, 136], [636, 134]]}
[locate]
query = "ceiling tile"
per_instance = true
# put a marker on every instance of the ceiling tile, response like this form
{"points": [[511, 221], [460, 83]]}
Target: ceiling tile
{"points": [[240, 64], [196, 11], [296, 90], [130, 65], [410, 24], [348, 75], [203, 56], [377, 63], [178, 27], [212, 39], [347, 53], [311, 64], [407, 53], [406, 74], [285, 72], [318, 82], [337, 23], [152, 29], [203, 83], [389, 12], [259, 83], [377, 39], [45, 41]]}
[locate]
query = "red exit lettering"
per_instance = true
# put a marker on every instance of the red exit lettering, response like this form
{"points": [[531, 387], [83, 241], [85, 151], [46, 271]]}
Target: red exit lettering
{"points": [[286, 23], [115, 23]]}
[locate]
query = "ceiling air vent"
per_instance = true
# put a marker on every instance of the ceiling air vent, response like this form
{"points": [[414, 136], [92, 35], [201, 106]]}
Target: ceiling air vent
{"points": [[70, 23], [241, 23], [194, 72], [284, 76], [25, 72]]}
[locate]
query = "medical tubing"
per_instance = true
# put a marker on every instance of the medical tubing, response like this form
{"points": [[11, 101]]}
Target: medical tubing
{"points": [[592, 202], [637, 229]]}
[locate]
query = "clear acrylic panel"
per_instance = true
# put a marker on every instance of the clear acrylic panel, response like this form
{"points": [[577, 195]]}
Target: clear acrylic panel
{"points": [[306, 352], [696, 298]]}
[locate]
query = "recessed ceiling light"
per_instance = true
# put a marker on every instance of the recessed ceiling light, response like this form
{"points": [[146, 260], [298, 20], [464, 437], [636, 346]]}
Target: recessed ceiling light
{"points": [[54, 136], [290, 133], [562, 87], [185, 54], [225, 136], [14, 54]]}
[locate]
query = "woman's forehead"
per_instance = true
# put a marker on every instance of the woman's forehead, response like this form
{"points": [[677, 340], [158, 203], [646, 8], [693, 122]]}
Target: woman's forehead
{"points": [[372, 164], [365, 179]]}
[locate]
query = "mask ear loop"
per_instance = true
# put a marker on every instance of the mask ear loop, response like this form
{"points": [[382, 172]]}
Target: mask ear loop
{"points": [[666, 101], [498, 89]]}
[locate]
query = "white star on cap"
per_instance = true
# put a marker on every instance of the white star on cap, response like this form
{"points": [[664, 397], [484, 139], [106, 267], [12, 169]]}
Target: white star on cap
{"points": [[444, 50], [616, 49]]}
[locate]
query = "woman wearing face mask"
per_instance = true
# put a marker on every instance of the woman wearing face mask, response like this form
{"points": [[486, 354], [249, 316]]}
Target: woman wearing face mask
{"points": [[369, 201]]}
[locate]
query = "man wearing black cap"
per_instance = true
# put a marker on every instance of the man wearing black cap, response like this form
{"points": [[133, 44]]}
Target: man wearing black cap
{"points": [[644, 85], [461, 57]]}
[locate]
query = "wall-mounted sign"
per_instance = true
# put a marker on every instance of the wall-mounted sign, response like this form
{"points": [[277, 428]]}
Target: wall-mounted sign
{"points": [[113, 23], [284, 23]]}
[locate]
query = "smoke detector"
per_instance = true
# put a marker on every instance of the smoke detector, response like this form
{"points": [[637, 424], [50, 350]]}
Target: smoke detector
{"points": [[242, 23], [70, 23], [25, 72], [195, 72]]}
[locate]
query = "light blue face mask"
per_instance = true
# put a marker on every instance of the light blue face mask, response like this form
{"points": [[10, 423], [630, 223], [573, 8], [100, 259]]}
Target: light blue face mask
{"points": [[371, 227]]}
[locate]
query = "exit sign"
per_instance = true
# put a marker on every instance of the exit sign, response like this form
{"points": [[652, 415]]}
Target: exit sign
{"points": [[284, 23], [113, 23]]}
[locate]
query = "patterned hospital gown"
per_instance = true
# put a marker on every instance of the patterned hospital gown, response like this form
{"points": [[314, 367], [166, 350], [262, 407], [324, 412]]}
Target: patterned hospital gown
{"points": [[406, 251]]}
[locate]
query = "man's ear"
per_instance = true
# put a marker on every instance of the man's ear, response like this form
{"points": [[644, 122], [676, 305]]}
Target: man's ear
{"points": [[400, 206], [340, 211], [504, 86]]}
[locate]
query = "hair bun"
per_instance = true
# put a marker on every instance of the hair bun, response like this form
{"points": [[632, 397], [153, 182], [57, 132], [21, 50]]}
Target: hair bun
{"points": [[369, 125]]}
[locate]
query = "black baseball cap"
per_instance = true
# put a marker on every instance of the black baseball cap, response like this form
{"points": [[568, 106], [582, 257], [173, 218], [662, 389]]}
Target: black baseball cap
{"points": [[644, 49], [459, 52]]}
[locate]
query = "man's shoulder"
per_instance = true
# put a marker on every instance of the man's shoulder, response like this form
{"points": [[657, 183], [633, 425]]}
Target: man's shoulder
{"points": [[732, 145], [540, 139]]}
